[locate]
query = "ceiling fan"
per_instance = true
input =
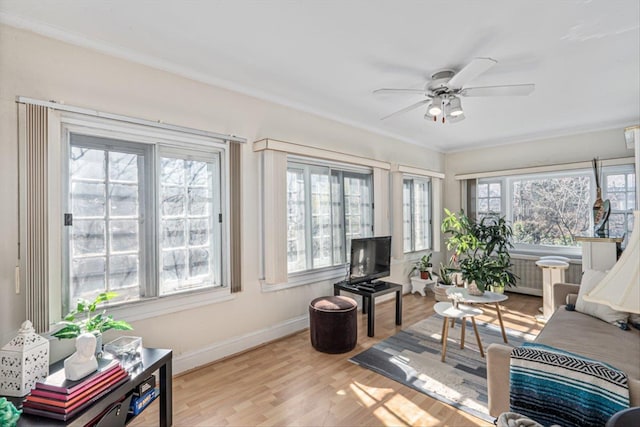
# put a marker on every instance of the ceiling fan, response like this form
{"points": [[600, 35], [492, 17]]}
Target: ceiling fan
{"points": [[443, 92]]}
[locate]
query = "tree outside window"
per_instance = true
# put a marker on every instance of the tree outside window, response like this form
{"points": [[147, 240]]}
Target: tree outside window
{"points": [[326, 208]]}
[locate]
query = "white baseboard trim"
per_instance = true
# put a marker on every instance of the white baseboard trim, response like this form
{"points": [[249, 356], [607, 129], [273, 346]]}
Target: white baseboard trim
{"points": [[235, 345]]}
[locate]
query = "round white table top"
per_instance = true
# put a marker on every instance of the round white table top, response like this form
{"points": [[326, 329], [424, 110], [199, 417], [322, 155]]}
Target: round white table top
{"points": [[552, 263], [446, 309], [556, 257], [462, 295]]}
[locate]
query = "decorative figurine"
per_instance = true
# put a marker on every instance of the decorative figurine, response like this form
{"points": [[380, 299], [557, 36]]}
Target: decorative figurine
{"points": [[83, 361], [23, 362]]}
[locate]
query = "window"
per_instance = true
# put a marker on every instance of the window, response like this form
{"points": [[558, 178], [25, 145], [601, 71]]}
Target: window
{"points": [[144, 218], [489, 200], [619, 186], [326, 207], [548, 210], [416, 214]]}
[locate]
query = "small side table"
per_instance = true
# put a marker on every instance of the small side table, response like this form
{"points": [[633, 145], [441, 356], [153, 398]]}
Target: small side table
{"points": [[448, 311], [553, 271], [368, 300], [419, 285], [490, 298]]}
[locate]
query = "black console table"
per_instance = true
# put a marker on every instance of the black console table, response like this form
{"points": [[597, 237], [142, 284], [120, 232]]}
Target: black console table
{"points": [[152, 359], [368, 299]]}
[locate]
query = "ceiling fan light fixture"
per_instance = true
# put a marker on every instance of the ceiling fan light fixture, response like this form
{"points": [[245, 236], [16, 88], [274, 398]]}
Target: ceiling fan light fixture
{"points": [[455, 107], [436, 106], [455, 119], [428, 116]]}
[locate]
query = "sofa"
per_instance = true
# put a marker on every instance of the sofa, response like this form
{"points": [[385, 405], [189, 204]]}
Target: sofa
{"points": [[574, 332]]}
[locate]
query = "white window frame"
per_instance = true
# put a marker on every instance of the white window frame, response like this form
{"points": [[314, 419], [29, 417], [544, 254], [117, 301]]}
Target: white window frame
{"points": [[628, 213], [215, 225], [507, 195], [429, 213], [336, 270], [155, 305], [503, 202]]}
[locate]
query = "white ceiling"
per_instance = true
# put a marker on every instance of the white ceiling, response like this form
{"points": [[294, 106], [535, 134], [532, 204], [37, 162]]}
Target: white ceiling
{"points": [[327, 57]]}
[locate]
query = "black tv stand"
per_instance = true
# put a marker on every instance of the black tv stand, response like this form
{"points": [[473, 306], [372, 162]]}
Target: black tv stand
{"points": [[368, 299], [374, 285]]}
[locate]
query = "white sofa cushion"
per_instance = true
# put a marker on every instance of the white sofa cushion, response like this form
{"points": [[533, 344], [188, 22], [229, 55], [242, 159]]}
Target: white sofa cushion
{"points": [[590, 279]]}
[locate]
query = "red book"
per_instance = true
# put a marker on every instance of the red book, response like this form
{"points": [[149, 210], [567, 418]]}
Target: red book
{"points": [[80, 396], [57, 382], [35, 408]]}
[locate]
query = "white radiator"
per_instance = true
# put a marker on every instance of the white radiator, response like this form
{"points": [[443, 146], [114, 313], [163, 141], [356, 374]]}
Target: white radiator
{"points": [[530, 275]]}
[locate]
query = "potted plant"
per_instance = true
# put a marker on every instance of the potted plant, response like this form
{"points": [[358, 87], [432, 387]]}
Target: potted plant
{"points": [[424, 266], [499, 275], [482, 250], [445, 282], [83, 319], [446, 278]]}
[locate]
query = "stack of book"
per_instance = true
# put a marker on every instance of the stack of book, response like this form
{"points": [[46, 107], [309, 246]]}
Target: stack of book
{"points": [[62, 399], [143, 394]]}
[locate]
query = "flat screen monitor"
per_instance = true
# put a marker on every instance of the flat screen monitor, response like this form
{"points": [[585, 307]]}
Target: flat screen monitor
{"points": [[370, 259]]}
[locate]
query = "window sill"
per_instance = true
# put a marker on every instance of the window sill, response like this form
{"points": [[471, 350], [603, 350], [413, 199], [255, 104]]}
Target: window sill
{"points": [[154, 307], [307, 278], [417, 255]]}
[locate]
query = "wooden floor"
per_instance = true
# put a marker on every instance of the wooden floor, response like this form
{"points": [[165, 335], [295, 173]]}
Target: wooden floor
{"points": [[288, 383]]}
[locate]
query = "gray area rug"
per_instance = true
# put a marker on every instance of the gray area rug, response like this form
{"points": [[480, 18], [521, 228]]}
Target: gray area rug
{"points": [[412, 357]]}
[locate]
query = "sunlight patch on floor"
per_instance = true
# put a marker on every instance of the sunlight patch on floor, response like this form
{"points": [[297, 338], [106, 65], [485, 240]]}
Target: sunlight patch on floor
{"points": [[390, 407], [369, 396], [387, 418], [407, 410]]}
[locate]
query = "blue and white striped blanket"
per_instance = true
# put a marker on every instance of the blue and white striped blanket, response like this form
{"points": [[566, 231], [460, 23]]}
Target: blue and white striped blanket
{"points": [[552, 386]]}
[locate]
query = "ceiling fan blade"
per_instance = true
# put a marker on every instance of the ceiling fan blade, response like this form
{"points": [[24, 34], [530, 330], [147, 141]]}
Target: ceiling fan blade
{"points": [[390, 90], [506, 90], [409, 108], [470, 72]]}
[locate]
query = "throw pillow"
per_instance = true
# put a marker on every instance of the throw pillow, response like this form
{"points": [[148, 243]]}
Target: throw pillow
{"points": [[590, 279]]}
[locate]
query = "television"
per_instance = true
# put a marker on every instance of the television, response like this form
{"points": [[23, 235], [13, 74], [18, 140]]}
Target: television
{"points": [[370, 259]]}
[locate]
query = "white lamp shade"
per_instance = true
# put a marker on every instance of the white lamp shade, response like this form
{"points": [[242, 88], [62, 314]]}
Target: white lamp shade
{"points": [[428, 116], [620, 288], [455, 119], [436, 106], [455, 107]]}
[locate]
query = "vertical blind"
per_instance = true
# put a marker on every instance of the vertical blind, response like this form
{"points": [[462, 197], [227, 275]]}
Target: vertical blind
{"points": [[274, 217], [36, 215], [235, 216]]}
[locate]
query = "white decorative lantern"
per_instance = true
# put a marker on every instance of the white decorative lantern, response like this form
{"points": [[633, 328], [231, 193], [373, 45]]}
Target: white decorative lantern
{"points": [[23, 362]]}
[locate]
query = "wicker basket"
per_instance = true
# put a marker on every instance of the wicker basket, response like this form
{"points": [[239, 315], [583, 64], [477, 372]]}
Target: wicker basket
{"points": [[440, 291]]}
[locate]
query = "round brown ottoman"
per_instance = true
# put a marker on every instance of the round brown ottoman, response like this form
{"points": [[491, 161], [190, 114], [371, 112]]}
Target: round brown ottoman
{"points": [[333, 324]]}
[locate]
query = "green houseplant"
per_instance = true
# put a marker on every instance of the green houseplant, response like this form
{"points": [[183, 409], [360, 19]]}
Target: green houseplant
{"points": [[445, 275], [424, 266], [84, 319], [481, 249]]}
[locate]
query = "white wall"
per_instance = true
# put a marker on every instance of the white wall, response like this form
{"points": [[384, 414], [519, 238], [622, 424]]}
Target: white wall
{"points": [[42, 68]]}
